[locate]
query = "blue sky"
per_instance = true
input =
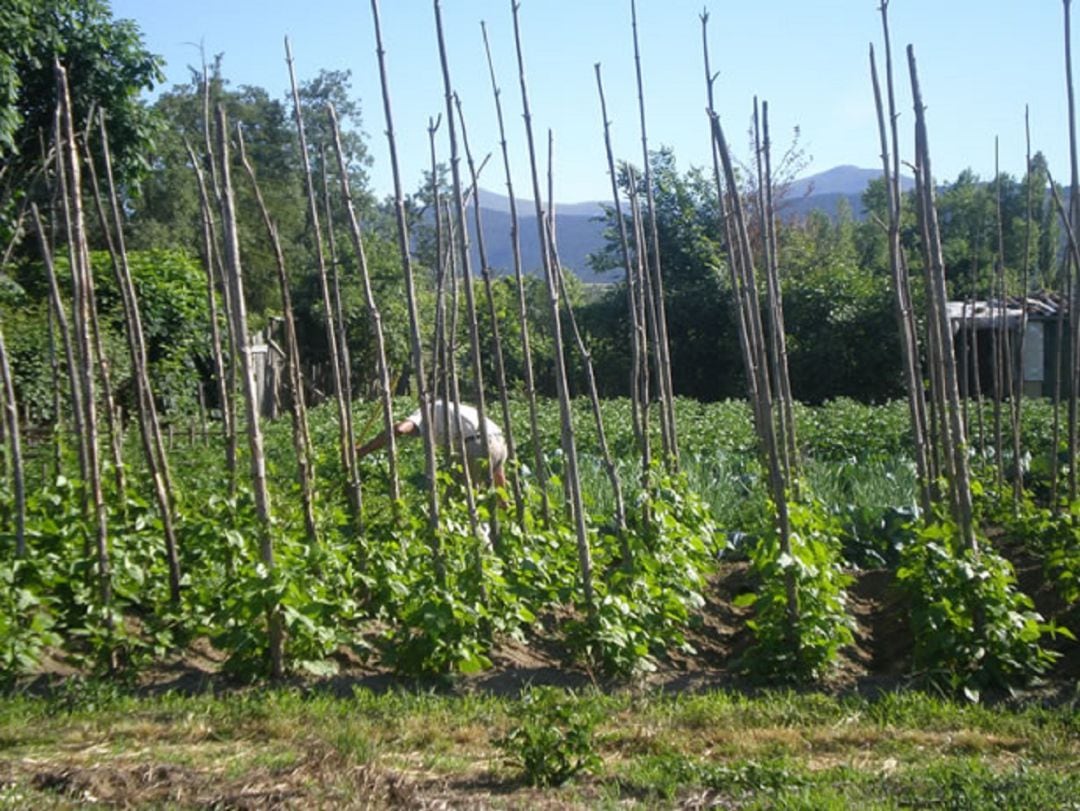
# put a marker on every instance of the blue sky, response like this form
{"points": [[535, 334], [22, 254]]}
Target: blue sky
{"points": [[980, 62]]}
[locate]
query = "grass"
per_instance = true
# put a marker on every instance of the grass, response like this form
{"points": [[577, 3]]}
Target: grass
{"points": [[776, 750]]}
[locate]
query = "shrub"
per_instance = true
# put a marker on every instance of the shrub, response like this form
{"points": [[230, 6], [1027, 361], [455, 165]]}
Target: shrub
{"points": [[552, 739], [973, 629]]}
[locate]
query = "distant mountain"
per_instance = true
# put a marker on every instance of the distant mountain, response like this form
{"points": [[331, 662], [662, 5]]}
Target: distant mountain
{"points": [[580, 228], [825, 190]]}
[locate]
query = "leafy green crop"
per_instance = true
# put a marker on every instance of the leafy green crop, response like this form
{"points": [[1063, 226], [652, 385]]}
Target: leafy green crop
{"points": [[803, 649], [973, 629]]}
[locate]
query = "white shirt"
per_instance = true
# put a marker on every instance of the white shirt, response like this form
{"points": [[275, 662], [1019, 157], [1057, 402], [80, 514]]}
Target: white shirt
{"points": [[468, 416]]}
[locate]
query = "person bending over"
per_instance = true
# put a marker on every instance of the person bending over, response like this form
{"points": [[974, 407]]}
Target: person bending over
{"points": [[461, 420]]}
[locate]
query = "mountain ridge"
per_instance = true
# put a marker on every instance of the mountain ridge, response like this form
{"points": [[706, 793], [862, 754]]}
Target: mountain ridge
{"points": [[580, 226]]}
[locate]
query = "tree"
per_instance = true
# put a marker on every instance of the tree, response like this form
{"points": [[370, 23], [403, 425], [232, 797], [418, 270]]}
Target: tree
{"points": [[839, 316], [108, 66], [701, 331]]}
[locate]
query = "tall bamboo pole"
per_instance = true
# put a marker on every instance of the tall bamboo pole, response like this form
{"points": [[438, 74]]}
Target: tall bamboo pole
{"points": [[455, 436], [939, 426], [11, 423], [86, 317], [1018, 393], [890, 148], [496, 334], [227, 377], [410, 292], [347, 448], [57, 390], [539, 473], [383, 367], [998, 320], [594, 400], [777, 340], [254, 429], [444, 339], [339, 311], [1067, 261], [667, 393], [637, 329], [740, 255], [1074, 275], [590, 376], [305, 462], [149, 429], [646, 329], [71, 175], [565, 411], [466, 268], [221, 376], [954, 417], [57, 302]]}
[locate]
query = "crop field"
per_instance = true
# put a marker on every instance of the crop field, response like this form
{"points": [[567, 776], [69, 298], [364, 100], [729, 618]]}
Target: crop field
{"points": [[411, 695], [308, 502]]}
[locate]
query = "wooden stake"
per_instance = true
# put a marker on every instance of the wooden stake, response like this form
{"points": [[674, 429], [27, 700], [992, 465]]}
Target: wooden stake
{"points": [[11, 423], [540, 468], [305, 459], [410, 292], [153, 449], [638, 395], [550, 275], [254, 429], [905, 320], [500, 365], [72, 182], [347, 447], [667, 393], [383, 367], [953, 419]]}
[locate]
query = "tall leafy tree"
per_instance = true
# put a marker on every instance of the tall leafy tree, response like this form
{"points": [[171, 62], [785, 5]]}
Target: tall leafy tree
{"points": [[109, 67]]}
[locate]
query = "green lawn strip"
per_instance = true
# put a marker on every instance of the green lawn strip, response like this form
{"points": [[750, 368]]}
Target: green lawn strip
{"points": [[774, 750]]}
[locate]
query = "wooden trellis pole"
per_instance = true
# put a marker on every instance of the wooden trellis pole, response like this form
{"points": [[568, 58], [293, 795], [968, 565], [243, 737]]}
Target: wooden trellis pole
{"points": [[1072, 255], [500, 364], [952, 419], [901, 288], [1018, 392], [740, 255], [71, 183], [777, 341], [79, 259], [667, 393], [594, 400], [410, 293], [57, 390], [646, 327], [1001, 365], [227, 377], [455, 434], [638, 395], [157, 461], [254, 430], [339, 312], [551, 278], [442, 351], [14, 438], [56, 300], [383, 368], [221, 376], [539, 472], [305, 458], [1074, 272], [466, 269], [347, 447]]}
